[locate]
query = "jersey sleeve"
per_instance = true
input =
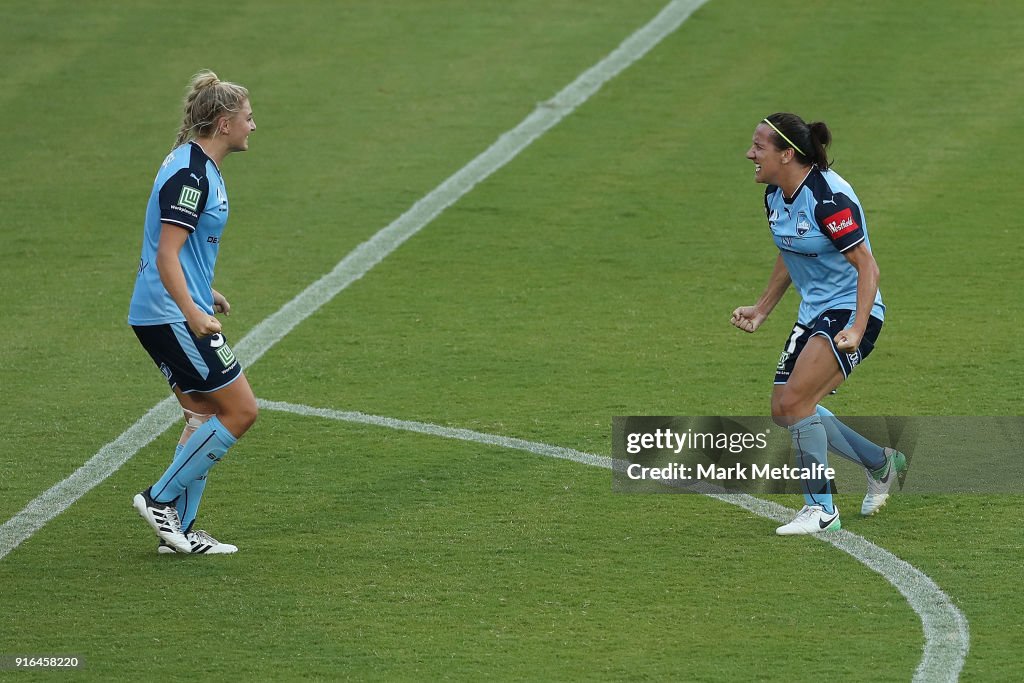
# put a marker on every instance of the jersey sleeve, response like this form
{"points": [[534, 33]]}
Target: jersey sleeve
{"points": [[183, 199], [840, 220]]}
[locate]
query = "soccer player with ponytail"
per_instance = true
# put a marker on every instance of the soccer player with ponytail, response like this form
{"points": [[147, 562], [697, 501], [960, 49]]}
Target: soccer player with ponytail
{"points": [[818, 226], [172, 308]]}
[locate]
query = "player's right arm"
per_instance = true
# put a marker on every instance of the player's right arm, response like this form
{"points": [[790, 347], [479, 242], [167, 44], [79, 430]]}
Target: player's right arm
{"points": [[749, 318], [172, 239]]}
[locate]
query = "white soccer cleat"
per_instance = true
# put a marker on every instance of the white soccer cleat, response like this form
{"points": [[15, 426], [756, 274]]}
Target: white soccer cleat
{"points": [[201, 543], [163, 517], [811, 519], [879, 483]]}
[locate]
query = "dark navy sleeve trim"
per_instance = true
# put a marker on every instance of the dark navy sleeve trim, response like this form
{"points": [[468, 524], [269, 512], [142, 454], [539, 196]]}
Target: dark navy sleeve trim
{"points": [[183, 197], [178, 223], [839, 219], [845, 249]]}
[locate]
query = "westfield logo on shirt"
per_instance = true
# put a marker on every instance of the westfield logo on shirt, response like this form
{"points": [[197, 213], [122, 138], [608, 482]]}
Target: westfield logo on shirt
{"points": [[841, 223]]}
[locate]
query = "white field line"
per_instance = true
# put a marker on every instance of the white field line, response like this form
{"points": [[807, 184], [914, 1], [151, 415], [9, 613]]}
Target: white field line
{"points": [[507, 147], [354, 266], [945, 628]]}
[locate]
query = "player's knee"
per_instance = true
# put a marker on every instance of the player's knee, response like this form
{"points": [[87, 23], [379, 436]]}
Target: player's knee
{"points": [[777, 413], [786, 408], [246, 414], [238, 414], [252, 413]]}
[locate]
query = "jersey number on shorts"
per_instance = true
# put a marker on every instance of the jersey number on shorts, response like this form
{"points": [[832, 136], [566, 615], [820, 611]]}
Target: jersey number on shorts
{"points": [[790, 346]]}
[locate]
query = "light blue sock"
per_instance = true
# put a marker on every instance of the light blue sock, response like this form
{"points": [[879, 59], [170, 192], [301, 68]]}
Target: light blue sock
{"points": [[180, 502], [188, 504], [203, 450], [811, 444], [849, 444]]}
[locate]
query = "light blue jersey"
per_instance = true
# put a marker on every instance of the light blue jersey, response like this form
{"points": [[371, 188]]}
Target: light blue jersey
{"points": [[812, 230], [189, 193]]}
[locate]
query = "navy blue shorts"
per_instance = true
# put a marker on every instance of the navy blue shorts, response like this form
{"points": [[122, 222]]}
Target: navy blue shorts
{"points": [[828, 325], [191, 363]]}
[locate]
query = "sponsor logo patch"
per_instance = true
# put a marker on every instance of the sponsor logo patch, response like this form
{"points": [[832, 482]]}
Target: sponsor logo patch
{"points": [[841, 223], [226, 355], [189, 197]]}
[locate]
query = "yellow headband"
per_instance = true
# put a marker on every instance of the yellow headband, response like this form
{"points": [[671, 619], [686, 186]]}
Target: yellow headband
{"points": [[783, 136]]}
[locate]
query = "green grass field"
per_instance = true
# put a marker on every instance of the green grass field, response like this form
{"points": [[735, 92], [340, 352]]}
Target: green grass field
{"points": [[592, 276]]}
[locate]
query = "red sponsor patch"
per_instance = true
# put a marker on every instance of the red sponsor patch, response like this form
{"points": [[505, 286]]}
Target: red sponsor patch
{"points": [[841, 223]]}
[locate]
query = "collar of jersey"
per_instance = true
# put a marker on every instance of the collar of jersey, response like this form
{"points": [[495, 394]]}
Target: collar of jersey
{"points": [[799, 188], [200, 148]]}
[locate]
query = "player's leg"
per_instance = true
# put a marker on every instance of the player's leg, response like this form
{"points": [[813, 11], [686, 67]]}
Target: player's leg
{"points": [[197, 411], [234, 405], [164, 346], [882, 465], [815, 374], [848, 443], [188, 503], [207, 379], [235, 410]]}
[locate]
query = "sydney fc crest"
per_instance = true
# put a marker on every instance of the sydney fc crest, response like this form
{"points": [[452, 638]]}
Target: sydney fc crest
{"points": [[802, 224]]}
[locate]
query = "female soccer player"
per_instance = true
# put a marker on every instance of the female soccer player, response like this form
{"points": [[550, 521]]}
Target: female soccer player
{"points": [[819, 228], [173, 305]]}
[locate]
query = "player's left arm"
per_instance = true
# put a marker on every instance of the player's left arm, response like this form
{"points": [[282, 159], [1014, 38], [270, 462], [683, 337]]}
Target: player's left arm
{"points": [[841, 221], [220, 303], [861, 258]]}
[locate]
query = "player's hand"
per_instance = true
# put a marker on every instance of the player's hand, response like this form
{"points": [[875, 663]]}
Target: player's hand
{"points": [[203, 324], [220, 303], [747, 318], [848, 340]]}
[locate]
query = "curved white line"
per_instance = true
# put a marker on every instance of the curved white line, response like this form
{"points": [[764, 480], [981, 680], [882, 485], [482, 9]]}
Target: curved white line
{"points": [[946, 633]]}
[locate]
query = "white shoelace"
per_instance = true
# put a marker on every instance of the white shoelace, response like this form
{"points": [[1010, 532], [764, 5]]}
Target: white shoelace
{"points": [[171, 517], [805, 512], [201, 536]]}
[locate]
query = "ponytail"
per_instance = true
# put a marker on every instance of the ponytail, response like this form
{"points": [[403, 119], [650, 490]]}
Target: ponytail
{"points": [[809, 141], [820, 137]]}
